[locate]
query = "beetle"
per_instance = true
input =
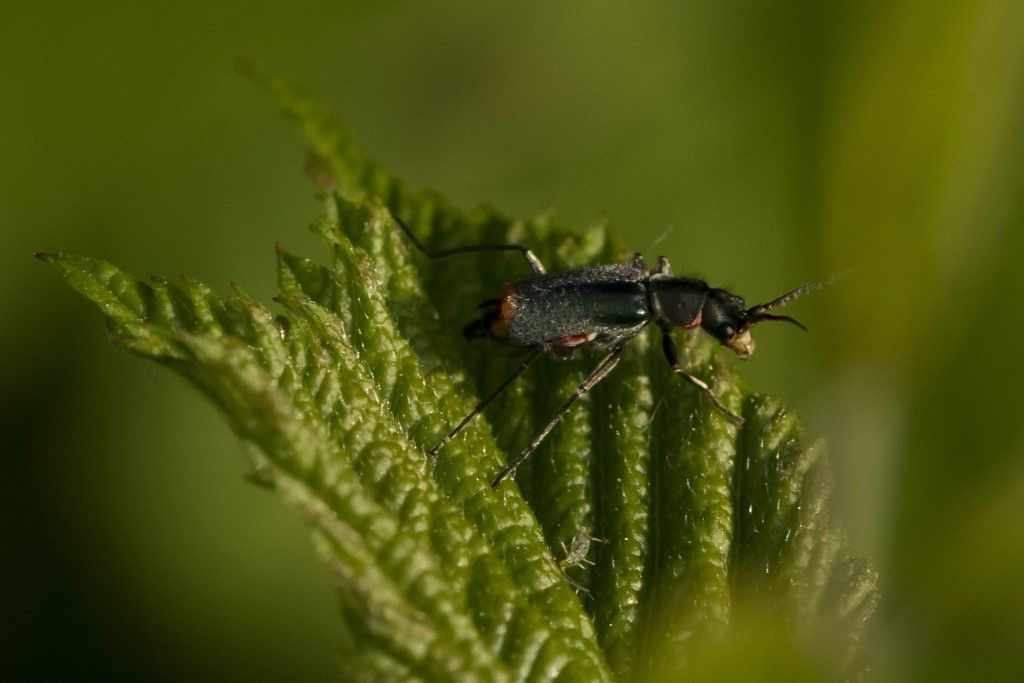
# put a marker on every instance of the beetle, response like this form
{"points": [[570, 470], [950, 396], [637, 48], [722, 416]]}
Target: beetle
{"points": [[604, 306]]}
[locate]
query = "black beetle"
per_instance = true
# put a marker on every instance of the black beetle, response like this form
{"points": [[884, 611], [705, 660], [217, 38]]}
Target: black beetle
{"points": [[604, 306]]}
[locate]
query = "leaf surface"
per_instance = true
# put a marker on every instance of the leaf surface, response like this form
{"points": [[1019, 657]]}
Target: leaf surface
{"points": [[639, 531]]}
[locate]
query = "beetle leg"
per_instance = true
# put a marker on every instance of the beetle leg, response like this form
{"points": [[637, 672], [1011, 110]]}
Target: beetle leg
{"points": [[531, 259], [668, 345], [602, 370], [484, 403]]}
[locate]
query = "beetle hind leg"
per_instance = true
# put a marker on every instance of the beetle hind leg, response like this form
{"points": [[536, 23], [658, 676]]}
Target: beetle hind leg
{"points": [[531, 259], [479, 408], [602, 370]]}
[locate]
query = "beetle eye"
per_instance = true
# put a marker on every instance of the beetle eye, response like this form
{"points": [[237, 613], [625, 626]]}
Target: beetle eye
{"points": [[728, 331]]}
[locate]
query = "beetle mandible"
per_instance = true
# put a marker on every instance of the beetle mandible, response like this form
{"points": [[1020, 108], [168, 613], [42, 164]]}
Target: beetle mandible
{"points": [[604, 306]]}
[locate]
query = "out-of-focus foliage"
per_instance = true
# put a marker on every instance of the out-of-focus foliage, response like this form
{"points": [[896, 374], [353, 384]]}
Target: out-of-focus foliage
{"points": [[757, 145]]}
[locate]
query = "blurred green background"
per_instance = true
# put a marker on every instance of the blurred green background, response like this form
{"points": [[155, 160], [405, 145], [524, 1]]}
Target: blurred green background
{"points": [[759, 145]]}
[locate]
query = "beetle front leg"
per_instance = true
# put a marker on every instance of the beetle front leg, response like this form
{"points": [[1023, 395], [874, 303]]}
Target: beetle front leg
{"points": [[668, 346]]}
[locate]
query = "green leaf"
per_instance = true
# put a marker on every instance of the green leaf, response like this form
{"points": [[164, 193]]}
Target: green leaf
{"points": [[643, 528]]}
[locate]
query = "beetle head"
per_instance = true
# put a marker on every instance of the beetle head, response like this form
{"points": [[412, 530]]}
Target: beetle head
{"points": [[725, 317]]}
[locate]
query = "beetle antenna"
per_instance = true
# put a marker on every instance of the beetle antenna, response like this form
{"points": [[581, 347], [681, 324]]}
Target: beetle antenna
{"points": [[756, 314], [786, 298], [758, 311], [785, 318]]}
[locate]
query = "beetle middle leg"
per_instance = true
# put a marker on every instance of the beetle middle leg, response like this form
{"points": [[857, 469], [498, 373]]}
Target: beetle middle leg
{"points": [[668, 346], [602, 370]]}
